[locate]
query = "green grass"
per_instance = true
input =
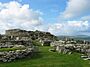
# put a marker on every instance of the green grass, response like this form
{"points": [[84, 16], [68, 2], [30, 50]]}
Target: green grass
{"points": [[49, 59], [10, 49]]}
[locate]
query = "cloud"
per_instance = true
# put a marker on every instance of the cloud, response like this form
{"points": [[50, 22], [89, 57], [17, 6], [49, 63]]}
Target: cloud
{"points": [[85, 18], [16, 15], [69, 28], [75, 19], [76, 8]]}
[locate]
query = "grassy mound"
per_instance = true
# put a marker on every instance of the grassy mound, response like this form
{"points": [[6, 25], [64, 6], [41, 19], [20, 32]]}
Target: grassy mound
{"points": [[49, 59]]}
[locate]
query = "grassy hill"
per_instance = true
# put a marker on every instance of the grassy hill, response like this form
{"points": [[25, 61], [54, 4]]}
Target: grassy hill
{"points": [[49, 59]]}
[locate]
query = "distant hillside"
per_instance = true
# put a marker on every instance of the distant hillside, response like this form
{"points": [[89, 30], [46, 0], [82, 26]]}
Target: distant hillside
{"points": [[77, 37]]}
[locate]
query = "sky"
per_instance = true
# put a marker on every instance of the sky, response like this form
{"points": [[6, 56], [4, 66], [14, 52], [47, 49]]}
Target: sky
{"points": [[59, 17]]}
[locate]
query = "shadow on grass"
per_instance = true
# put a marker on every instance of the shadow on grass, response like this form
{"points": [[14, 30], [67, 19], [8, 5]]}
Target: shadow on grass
{"points": [[36, 55]]}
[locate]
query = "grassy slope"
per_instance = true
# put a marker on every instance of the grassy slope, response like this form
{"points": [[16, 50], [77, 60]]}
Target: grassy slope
{"points": [[49, 59]]}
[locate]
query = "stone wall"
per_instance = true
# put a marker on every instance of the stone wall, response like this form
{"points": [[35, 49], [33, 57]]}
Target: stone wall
{"points": [[20, 52]]}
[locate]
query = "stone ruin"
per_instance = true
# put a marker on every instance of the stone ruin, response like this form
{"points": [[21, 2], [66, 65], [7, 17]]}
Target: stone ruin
{"points": [[19, 34], [69, 47], [10, 52], [17, 43], [45, 38]]}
